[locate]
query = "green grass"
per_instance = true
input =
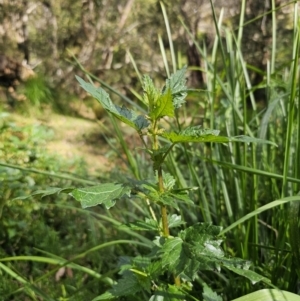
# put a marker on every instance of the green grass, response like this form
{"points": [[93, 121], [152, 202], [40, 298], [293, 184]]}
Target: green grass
{"points": [[235, 189]]}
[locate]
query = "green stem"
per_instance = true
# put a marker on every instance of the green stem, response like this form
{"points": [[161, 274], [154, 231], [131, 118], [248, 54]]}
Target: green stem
{"points": [[144, 142], [163, 208], [164, 218], [164, 215], [161, 189]]}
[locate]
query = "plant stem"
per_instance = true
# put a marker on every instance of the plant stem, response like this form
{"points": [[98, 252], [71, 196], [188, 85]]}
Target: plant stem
{"points": [[164, 218], [177, 281], [161, 189], [163, 208], [164, 215]]}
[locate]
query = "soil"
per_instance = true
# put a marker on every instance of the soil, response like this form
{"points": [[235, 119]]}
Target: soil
{"points": [[73, 138], [77, 137]]}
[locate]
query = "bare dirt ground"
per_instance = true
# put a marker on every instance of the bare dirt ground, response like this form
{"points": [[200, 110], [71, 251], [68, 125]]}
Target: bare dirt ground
{"points": [[73, 138], [76, 137]]}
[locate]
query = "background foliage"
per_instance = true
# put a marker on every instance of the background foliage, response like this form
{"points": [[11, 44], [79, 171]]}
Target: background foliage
{"points": [[104, 35]]}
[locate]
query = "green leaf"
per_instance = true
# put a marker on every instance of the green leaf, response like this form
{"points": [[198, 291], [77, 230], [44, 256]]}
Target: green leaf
{"points": [[155, 269], [201, 232], [105, 296], [141, 262], [125, 286], [151, 192], [138, 122], [130, 283], [163, 106], [129, 117], [151, 94], [45, 192], [176, 84], [196, 134], [171, 293], [198, 248], [175, 221], [209, 294], [172, 254], [197, 131], [167, 199], [269, 295], [182, 196], [157, 297], [169, 181], [251, 275], [106, 194]]}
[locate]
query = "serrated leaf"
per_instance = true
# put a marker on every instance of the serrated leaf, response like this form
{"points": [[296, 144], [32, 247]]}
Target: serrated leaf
{"points": [[105, 296], [209, 295], [105, 194], [171, 293], [175, 221], [151, 94], [251, 275], [236, 263], [124, 264], [195, 134], [201, 232], [159, 241], [196, 248], [155, 269], [169, 181], [176, 84], [198, 131], [172, 253], [129, 117], [141, 262], [141, 122], [138, 122], [167, 199], [128, 285], [163, 106], [182, 196], [151, 192]]}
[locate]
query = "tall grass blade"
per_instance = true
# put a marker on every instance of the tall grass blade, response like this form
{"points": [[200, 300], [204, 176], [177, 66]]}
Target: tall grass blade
{"points": [[164, 55], [163, 8], [260, 210], [291, 115]]}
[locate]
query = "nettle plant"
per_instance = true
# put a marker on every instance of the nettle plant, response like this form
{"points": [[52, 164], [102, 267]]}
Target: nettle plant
{"points": [[168, 271]]}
